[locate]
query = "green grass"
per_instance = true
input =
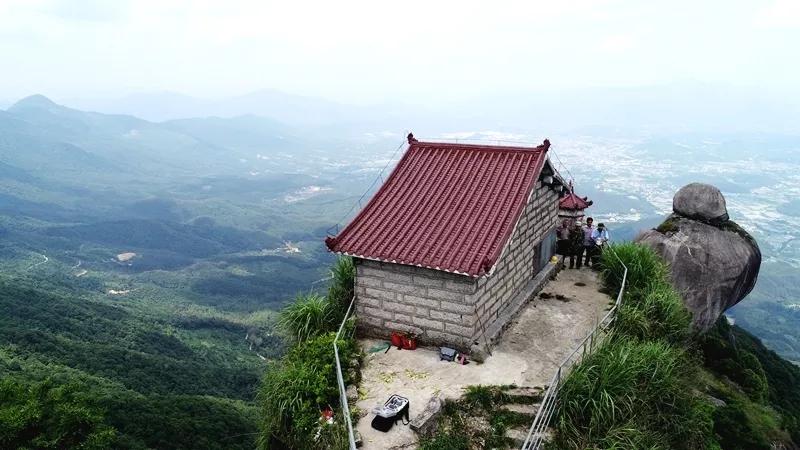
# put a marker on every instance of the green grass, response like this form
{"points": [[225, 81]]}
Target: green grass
{"points": [[646, 386], [486, 397], [477, 420], [308, 316], [645, 267], [668, 226], [342, 287], [635, 390], [632, 385], [656, 313], [294, 392]]}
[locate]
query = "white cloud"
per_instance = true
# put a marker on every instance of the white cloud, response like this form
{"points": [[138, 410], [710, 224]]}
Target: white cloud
{"points": [[779, 14], [616, 43], [375, 51]]}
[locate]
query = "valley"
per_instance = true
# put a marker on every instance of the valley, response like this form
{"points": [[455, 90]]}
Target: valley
{"points": [[148, 274], [144, 262]]}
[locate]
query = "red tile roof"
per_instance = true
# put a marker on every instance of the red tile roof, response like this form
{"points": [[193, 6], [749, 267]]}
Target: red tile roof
{"points": [[448, 207], [573, 202]]}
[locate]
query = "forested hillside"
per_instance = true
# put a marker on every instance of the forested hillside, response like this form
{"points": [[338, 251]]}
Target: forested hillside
{"points": [[141, 266]]}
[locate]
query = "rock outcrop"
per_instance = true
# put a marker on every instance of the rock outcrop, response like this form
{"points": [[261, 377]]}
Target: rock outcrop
{"points": [[702, 202], [714, 263]]}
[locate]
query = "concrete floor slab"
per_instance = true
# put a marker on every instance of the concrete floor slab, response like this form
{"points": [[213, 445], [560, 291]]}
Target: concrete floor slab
{"points": [[539, 338]]}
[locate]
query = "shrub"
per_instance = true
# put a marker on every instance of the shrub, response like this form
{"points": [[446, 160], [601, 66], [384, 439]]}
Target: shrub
{"points": [[294, 392], [43, 415], [735, 431], [308, 316], [737, 363]]}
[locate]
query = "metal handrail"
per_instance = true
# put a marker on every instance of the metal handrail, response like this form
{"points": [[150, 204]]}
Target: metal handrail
{"points": [[541, 422], [340, 379]]}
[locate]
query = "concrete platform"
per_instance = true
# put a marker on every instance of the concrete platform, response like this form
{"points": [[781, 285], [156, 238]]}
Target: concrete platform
{"points": [[545, 331]]}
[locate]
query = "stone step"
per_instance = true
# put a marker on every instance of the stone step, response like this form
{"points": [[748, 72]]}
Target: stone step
{"points": [[522, 408], [518, 435], [525, 395]]}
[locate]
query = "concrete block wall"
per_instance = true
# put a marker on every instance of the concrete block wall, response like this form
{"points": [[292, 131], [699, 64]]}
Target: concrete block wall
{"points": [[449, 309], [516, 265], [430, 303]]}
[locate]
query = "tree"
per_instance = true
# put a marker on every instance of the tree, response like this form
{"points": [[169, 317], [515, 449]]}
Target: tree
{"points": [[44, 415]]}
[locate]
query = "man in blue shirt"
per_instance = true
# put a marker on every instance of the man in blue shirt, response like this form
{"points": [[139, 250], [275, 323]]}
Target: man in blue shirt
{"points": [[599, 237], [600, 234]]}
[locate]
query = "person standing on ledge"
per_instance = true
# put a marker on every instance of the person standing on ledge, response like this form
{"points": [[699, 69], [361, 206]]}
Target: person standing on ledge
{"points": [[562, 242], [588, 242], [600, 237], [576, 244]]}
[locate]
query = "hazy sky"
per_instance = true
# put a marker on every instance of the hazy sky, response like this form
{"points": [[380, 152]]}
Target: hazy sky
{"points": [[374, 51]]}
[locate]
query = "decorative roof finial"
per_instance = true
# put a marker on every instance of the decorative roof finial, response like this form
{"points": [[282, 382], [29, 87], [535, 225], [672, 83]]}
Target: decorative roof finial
{"points": [[546, 144], [411, 138]]}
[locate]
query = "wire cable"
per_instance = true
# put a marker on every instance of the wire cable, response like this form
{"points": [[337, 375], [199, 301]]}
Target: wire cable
{"points": [[369, 188]]}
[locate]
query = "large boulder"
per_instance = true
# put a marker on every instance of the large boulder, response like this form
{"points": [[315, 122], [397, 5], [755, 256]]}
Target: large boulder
{"points": [[713, 262], [700, 201]]}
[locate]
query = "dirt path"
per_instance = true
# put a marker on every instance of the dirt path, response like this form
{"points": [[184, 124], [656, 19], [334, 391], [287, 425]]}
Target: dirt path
{"points": [[39, 263]]}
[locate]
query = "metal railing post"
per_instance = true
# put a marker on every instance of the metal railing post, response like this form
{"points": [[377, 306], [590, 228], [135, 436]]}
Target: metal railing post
{"points": [[340, 380]]}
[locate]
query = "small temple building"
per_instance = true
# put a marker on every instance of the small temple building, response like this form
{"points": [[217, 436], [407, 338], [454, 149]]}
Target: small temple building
{"points": [[571, 206], [450, 244]]}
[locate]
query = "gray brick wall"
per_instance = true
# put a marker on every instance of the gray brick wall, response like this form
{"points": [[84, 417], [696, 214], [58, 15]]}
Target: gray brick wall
{"points": [[516, 265], [430, 303], [449, 309]]}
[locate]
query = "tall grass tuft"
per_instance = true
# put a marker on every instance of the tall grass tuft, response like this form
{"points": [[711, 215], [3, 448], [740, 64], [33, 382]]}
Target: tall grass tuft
{"points": [[644, 266], [293, 393], [657, 313], [342, 287], [632, 394], [308, 316]]}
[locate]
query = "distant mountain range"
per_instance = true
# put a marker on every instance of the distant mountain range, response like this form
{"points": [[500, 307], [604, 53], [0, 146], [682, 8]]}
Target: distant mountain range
{"points": [[291, 109], [42, 136], [678, 107]]}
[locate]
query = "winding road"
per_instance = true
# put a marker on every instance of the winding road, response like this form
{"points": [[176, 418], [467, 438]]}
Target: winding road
{"points": [[40, 262]]}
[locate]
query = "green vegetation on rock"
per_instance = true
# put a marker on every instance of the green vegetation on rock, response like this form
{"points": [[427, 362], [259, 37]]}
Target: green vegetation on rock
{"points": [[635, 390], [650, 384]]}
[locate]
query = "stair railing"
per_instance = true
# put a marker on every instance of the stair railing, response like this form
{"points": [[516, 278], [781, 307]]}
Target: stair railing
{"points": [[536, 433], [340, 380]]}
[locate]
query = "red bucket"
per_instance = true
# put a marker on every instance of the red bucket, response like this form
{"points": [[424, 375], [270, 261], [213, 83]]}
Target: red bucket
{"points": [[397, 339]]}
